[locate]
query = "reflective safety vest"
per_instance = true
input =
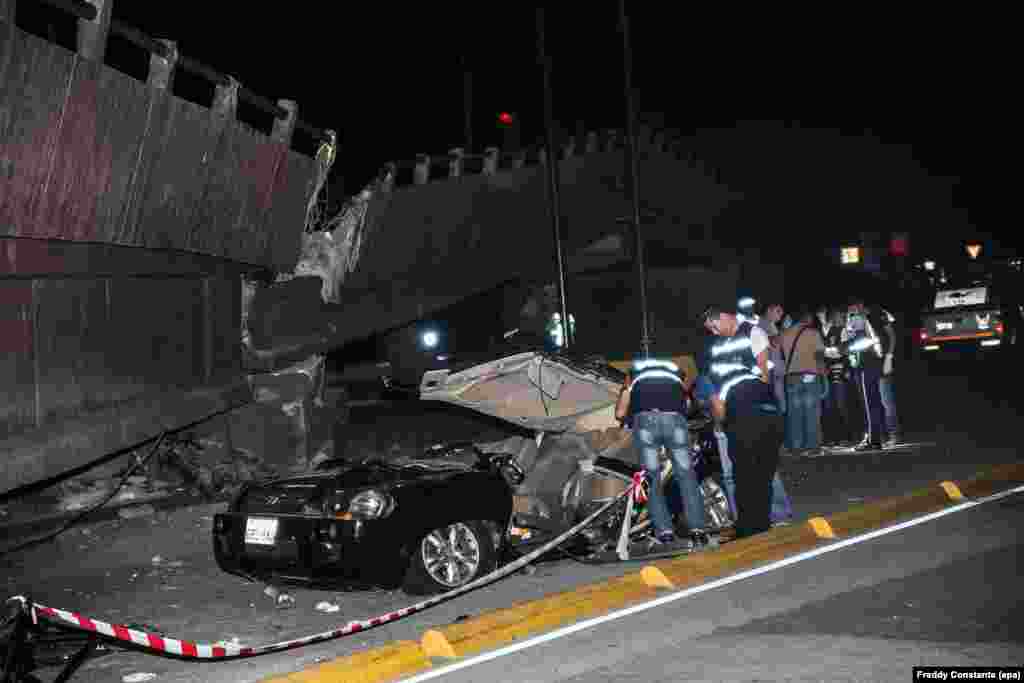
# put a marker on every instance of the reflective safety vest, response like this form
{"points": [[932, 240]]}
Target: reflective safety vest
{"points": [[733, 361], [745, 311], [651, 368], [656, 385], [863, 339]]}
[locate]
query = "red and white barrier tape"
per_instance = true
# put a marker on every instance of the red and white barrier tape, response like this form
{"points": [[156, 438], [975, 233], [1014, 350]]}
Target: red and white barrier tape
{"points": [[639, 495], [192, 650]]}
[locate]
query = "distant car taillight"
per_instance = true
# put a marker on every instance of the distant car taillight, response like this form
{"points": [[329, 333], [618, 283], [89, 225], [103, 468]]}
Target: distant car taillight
{"points": [[922, 335], [999, 327]]}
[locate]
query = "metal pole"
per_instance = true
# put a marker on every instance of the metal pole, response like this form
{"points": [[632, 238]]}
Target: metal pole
{"points": [[467, 103], [634, 176], [552, 173]]}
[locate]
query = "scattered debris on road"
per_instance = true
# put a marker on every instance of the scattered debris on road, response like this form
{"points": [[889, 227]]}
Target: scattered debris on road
{"points": [[136, 511], [282, 600], [139, 678]]}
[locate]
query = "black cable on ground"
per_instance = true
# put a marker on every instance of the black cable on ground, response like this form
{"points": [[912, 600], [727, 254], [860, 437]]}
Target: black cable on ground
{"points": [[75, 520]]}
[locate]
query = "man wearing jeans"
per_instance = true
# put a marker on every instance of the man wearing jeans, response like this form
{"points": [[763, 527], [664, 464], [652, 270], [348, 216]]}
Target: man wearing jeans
{"points": [[804, 351], [887, 384], [653, 401]]}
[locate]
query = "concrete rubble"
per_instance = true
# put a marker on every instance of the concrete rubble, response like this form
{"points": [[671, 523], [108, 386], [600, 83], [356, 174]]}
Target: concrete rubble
{"points": [[187, 466]]}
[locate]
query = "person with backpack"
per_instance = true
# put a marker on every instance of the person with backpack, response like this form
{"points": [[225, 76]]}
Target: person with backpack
{"points": [[803, 348]]}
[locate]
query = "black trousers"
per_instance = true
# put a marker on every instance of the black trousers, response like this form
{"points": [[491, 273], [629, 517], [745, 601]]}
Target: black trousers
{"points": [[867, 378], [838, 418], [754, 441]]}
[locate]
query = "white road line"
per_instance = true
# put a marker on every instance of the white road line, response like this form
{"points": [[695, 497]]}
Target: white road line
{"points": [[657, 602]]}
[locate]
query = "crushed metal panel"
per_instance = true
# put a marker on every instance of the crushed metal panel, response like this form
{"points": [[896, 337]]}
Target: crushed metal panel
{"points": [[34, 78], [509, 388]]}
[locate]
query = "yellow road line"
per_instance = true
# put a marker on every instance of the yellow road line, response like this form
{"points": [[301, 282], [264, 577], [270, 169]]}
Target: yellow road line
{"points": [[500, 627]]}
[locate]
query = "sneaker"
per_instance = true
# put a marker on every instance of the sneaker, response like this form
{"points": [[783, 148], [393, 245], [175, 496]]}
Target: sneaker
{"points": [[702, 540], [665, 537], [781, 522], [666, 541], [868, 446], [893, 441]]}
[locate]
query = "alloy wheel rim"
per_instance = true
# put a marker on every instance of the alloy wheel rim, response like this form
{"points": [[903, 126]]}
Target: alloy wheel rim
{"points": [[451, 555]]}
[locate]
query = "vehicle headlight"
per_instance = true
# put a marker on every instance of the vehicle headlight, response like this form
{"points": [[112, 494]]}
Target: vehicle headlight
{"points": [[312, 509], [371, 504]]}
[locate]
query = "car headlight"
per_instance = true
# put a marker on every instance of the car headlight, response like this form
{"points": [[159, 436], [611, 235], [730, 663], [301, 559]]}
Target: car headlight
{"points": [[371, 504], [312, 509]]}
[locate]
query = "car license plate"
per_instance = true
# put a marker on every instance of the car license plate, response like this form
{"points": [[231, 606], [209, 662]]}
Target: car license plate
{"points": [[260, 531]]}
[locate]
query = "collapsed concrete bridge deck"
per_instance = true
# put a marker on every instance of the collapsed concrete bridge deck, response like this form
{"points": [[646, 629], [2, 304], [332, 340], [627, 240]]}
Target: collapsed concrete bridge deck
{"points": [[121, 273]]}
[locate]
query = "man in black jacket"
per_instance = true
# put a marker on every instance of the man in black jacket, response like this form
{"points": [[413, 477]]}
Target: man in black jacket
{"points": [[839, 422], [744, 402], [887, 384]]}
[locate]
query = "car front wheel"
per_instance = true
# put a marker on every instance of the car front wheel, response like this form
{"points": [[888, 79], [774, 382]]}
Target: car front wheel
{"points": [[449, 557]]}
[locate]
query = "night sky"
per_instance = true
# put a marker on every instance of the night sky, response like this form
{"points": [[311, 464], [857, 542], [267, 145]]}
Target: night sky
{"points": [[883, 122]]}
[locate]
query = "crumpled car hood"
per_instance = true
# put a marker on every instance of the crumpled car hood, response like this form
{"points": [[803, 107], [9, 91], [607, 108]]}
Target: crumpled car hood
{"points": [[533, 389]]}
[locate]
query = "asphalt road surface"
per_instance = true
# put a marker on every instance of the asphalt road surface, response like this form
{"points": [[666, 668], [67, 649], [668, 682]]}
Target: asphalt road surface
{"points": [[944, 593], [110, 570]]}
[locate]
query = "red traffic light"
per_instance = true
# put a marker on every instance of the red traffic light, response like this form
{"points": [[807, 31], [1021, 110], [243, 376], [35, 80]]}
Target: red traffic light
{"points": [[506, 119]]}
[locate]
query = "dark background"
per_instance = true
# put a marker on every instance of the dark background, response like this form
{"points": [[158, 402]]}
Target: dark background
{"points": [[831, 124]]}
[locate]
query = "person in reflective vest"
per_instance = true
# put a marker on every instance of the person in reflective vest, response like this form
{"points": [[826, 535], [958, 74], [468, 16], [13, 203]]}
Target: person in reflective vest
{"points": [[781, 508], [653, 402], [745, 311], [744, 401], [867, 357]]}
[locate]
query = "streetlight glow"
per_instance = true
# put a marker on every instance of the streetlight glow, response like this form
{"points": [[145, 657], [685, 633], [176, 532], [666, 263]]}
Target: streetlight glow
{"points": [[430, 338]]}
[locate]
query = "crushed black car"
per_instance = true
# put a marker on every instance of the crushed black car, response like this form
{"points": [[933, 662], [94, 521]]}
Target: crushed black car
{"points": [[440, 520]]}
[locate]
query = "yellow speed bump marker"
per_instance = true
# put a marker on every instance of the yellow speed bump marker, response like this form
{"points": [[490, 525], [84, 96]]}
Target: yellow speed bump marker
{"points": [[821, 527], [655, 578], [952, 490], [435, 644]]}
